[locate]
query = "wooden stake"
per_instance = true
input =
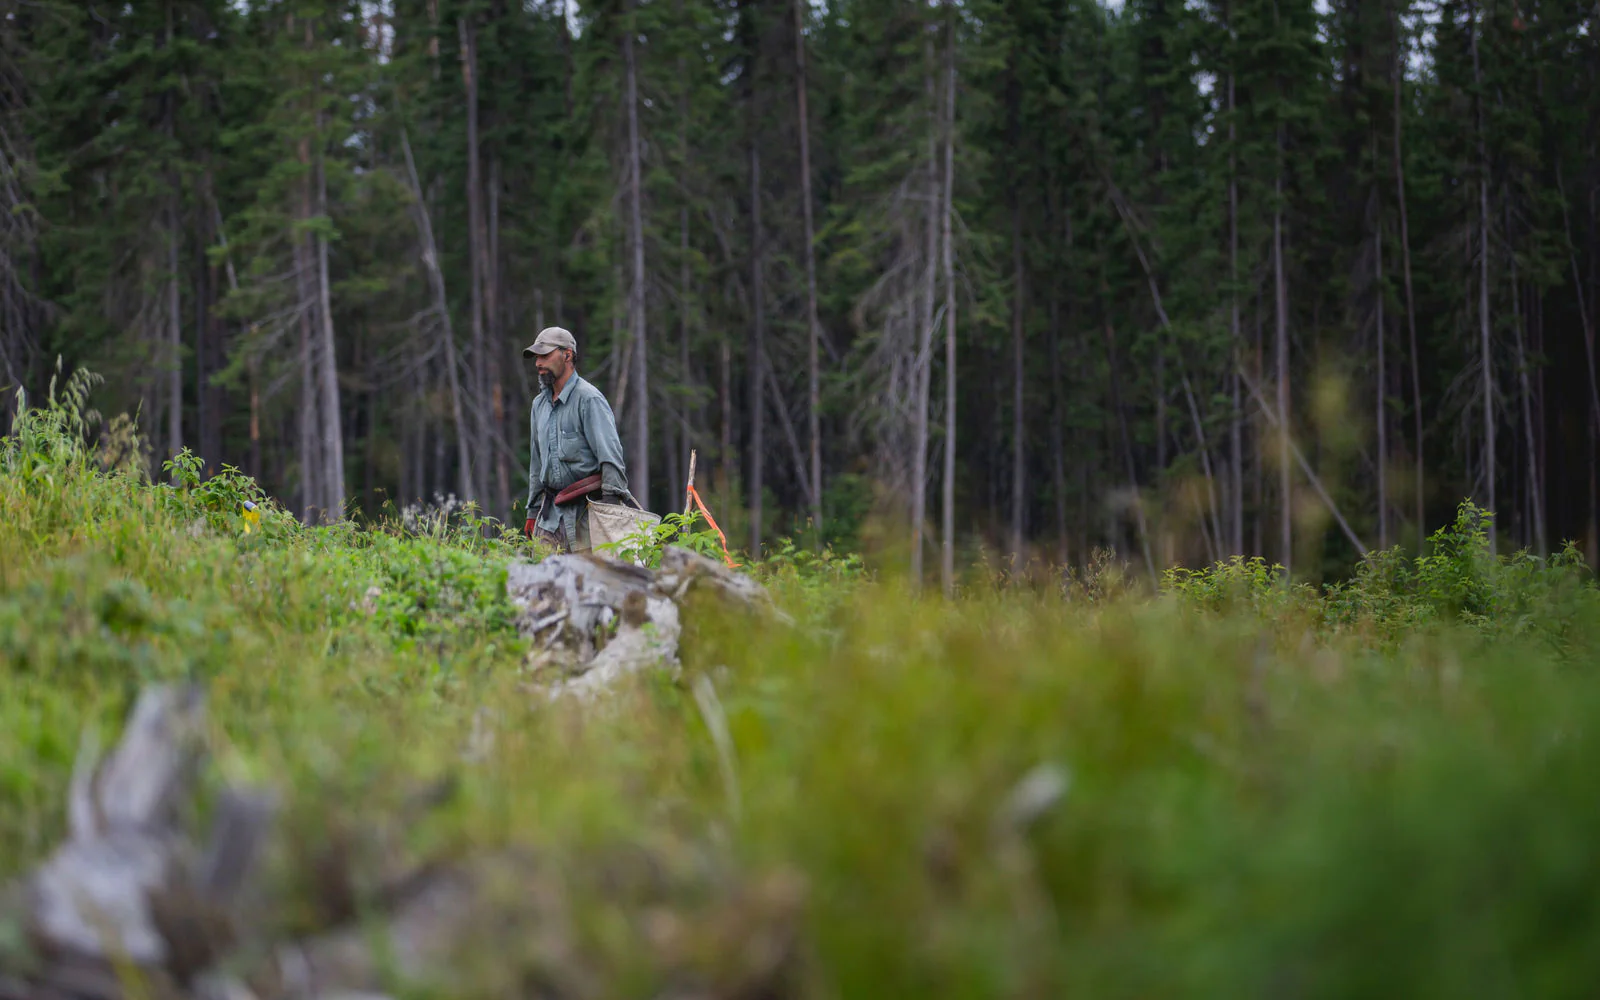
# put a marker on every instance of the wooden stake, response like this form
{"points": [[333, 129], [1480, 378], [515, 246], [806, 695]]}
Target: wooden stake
{"points": [[688, 489]]}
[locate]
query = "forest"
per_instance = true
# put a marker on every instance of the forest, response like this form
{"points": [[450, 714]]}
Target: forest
{"points": [[1155, 442], [972, 282]]}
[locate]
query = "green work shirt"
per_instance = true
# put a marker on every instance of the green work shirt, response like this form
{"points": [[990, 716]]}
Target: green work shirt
{"points": [[572, 436]]}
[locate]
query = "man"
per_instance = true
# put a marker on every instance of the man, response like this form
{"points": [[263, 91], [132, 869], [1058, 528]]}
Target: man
{"points": [[575, 450]]}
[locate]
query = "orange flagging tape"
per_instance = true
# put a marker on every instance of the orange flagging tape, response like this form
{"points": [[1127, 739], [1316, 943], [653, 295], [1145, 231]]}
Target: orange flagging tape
{"points": [[695, 496]]}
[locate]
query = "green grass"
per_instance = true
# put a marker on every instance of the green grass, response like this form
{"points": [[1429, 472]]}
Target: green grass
{"points": [[1381, 789]]}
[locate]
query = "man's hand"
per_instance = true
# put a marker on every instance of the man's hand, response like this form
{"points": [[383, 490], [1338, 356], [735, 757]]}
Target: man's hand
{"points": [[527, 527]]}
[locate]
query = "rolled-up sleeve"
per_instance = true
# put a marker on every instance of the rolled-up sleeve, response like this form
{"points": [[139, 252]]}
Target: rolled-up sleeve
{"points": [[600, 430]]}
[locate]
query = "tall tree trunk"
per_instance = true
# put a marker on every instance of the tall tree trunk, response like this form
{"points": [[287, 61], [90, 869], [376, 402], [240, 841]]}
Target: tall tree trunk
{"points": [[308, 459], [1236, 421], [725, 396], [253, 459], [639, 458], [493, 307], [174, 351], [1535, 501], [1405, 264], [947, 555], [1058, 463], [307, 307], [477, 250], [813, 369], [1018, 444], [441, 309], [686, 444], [1281, 300], [1258, 485], [689, 428], [332, 479], [921, 370], [174, 345], [1483, 286], [758, 348], [1381, 395], [208, 344]]}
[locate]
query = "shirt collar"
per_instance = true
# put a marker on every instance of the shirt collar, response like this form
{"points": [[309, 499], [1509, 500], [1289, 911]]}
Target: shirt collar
{"points": [[566, 390]]}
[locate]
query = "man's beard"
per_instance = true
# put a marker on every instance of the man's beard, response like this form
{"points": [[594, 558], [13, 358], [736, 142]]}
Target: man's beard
{"points": [[546, 380]]}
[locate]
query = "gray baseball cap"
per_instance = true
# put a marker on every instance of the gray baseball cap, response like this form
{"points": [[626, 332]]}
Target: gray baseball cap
{"points": [[551, 338]]}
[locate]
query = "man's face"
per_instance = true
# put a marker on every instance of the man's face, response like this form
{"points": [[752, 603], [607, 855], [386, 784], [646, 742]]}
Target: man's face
{"points": [[552, 366]]}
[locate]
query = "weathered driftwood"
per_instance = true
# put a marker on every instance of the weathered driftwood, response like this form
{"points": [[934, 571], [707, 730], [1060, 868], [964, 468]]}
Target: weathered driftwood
{"points": [[596, 620]]}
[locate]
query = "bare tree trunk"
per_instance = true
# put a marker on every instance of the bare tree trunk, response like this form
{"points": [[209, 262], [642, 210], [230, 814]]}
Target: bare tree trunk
{"points": [[1058, 463], [494, 307], [1236, 422], [308, 460], [174, 350], [477, 251], [1258, 485], [1381, 395], [332, 479], [1018, 444], [683, 268], [639, 458], [174, 337], [947, 564], [1405, 261], [254, 457], [1535, 501], [1281, 297], [813, 369], [207, 422], [725, 444], [307, 306], [441, 308], [922, 374], [758, 334], [1483, 291]]}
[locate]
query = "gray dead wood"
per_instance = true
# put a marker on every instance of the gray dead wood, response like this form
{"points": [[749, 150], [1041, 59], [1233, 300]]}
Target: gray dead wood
{"points": [[595, 620], [129, 887]]}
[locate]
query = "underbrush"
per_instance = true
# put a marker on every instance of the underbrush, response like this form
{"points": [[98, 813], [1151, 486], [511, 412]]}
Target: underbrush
{"points": [[1243, 788], [1461, 583]]}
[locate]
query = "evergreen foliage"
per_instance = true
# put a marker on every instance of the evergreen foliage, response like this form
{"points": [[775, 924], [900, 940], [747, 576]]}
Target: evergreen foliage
{"points": [[308, 238]]}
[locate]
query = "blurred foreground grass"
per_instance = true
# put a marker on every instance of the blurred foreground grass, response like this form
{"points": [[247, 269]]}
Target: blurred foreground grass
{"points": [[1231, 789]]}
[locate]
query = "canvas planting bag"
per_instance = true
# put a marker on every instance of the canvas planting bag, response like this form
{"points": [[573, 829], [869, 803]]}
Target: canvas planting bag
{"points": [[612, 522]]}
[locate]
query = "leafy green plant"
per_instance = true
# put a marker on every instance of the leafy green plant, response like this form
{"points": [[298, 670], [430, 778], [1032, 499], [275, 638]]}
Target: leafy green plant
{"points": [[1460, 581], [50, 440], [1240, 583], [645, 544]]}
